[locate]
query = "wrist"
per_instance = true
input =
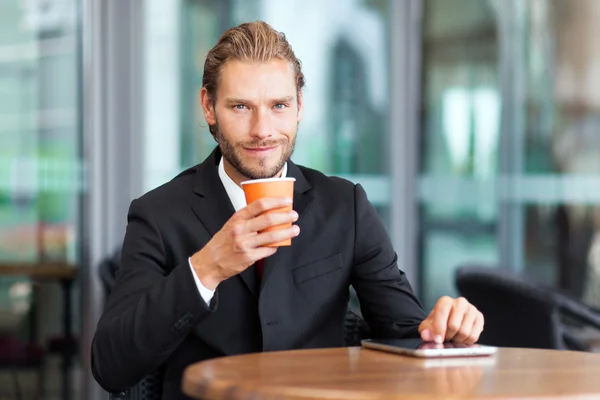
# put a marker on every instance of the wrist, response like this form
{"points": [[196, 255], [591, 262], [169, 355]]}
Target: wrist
{"points": [[207, 274]]}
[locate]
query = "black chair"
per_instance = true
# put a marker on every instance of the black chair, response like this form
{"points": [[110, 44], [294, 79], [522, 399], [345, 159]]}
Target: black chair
{"points": [[355, 328], [150, 387], [16, 356], [521, 313]]}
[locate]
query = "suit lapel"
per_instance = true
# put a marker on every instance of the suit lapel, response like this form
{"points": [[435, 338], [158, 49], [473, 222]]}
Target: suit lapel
{"points": [[213, 207], [303, 198]]}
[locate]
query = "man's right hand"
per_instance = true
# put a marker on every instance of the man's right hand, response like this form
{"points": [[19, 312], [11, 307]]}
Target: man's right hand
{"points": [[238, 244]]}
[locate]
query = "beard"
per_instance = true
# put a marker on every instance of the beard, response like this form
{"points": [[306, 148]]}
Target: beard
{"points": [[229, 150]]}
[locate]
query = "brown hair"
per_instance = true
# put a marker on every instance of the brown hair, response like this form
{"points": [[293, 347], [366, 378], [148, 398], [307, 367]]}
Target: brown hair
{"points": [[251, 41]]}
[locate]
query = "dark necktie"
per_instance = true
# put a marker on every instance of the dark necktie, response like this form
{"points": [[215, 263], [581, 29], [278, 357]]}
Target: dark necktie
{"points": [[260, 266]]}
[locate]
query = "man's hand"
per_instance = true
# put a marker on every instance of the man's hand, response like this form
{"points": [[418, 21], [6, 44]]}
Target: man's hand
{"points": [[238, 244], [452, 320]]}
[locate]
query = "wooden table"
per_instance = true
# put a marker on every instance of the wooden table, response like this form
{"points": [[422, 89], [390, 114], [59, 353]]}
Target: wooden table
{"points": [[40, 271], [360, 374], [64, 274]]}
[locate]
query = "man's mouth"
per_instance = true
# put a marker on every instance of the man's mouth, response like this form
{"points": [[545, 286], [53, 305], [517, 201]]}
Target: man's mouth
{"points": [[260, 150]]}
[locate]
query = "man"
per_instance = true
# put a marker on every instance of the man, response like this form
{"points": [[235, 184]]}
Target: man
{"points": [[191, 284]]}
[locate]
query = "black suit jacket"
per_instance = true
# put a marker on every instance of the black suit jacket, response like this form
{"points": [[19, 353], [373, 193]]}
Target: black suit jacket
{"points": [[155, 316]]}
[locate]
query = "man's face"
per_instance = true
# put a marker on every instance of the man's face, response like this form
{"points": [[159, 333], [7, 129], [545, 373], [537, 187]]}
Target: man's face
{"points": [[256, 116]]}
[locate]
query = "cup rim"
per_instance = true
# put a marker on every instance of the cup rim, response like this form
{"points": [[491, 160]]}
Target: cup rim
{"points": [[287, 179]]}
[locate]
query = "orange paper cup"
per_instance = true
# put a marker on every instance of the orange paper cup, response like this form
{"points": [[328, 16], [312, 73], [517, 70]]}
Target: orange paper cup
{"points": [[271, 187]]}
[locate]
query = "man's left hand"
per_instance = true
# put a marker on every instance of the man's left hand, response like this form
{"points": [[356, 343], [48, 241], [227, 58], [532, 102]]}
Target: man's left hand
{"points": [[454, 320]]}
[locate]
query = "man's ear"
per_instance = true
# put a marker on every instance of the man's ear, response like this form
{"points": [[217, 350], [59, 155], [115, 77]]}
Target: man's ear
{"points": [[207, 107], [300, 106]]}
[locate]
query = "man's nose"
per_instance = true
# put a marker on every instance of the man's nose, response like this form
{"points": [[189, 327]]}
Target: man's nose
{"points": [[261, 125]]}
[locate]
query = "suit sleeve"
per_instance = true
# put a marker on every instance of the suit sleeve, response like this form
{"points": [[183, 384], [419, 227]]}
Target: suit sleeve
{"points": [[387, 301], [149, 312]]}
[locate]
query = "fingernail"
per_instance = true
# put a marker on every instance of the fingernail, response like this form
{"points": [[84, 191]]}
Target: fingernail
{"points": [[296, 230], [438, 339], [294, 214], [288, 200]]}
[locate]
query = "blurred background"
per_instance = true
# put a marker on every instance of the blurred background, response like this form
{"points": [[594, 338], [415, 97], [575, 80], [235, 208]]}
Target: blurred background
{"points": [[474, 126]]}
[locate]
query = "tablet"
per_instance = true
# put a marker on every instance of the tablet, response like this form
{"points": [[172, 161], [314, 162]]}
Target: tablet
{"points": [[419, 348]]}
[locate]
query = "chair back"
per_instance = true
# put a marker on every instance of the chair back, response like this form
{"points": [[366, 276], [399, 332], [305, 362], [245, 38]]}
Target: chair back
{"points": [[150, 387], [517, 313], [355, 328]]}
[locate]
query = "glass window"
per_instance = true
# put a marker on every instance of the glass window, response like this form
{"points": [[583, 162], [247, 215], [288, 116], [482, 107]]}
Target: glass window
{"points": [[510, 151], [460, 141], [344, 56], [39, 156], [40, 167], [561, 119]]}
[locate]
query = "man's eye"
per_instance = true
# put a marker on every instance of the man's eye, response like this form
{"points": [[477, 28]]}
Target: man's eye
{"points": [[240, 106], [280, 106]]}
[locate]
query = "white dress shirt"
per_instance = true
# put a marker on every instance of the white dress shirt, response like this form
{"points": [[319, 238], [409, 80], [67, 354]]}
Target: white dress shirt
{"points": [[238, 200]]}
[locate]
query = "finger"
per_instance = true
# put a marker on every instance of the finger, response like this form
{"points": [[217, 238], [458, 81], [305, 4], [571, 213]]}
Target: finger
{"points": [[241, 229], [426, 331], [252, 257], [262, 252], [259, 206], [268, 220], [265, 238], [439, 316], [476, 330], [464, 332], [460, 308], [427, 335]]}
